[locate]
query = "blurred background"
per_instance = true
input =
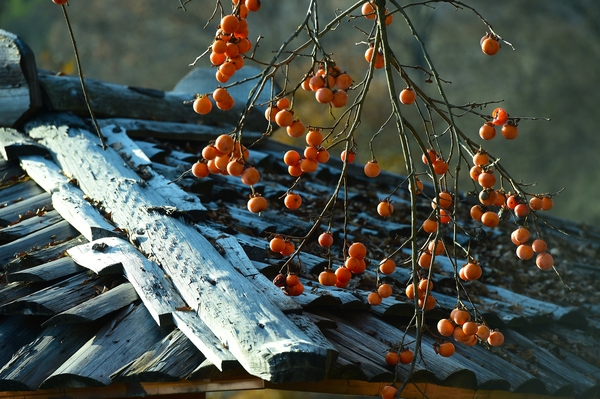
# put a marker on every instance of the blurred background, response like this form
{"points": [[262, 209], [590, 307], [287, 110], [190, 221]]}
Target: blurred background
{"points": [[554, 71]]}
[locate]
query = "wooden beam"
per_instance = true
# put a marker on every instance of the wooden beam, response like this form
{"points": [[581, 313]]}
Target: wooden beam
{"points": [[259, 335], [109, 100], [20, 94]]}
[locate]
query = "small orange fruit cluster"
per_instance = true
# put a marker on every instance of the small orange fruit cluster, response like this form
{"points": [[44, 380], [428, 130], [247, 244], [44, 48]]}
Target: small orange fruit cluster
{"points": [[465, 331], [499, 118], [354, 264], [283, 246], [490, 44], [440, 166], [314, 154], [425, 286], [393, 357], [231, 40], [225, 156], [290, 284], [379, 60], [329, 85], [483, 174], [526, 249]]}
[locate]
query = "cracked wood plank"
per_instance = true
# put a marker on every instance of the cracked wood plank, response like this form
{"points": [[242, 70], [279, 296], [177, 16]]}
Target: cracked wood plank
{"points": [[259, 335], [115, 255], [67, 199]]}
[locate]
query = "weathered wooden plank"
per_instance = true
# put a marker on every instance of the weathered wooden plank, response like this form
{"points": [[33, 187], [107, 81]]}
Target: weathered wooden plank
{"points": [[14, 144], [97, 307], [12, 291], [40, 256], [456, 371], [67, 199], [536, 311], [29, 226], [16, 331], [562, 378], [121, 341], [175, 197], [205, 340], [19, 191], [59, 268], [355, 351], [258, 334], [58, 297], [19, 90], [54, 233], [171, 359], [142, 129], [148, 279], [35, 361], [155, 290], [11, 213], [309, 328], [234, 253], [109, 100]]}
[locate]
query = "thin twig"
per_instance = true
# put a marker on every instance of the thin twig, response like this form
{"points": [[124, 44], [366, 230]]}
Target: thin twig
{"points": [[80, 72]]}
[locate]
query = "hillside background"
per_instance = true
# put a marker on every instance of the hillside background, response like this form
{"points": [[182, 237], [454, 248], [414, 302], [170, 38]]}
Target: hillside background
{"points": [[554, 71]]}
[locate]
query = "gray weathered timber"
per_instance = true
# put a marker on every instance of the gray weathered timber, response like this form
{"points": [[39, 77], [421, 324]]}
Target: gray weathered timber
{"points": [[205, 340], [110, 348], [28, 226], [36, 257], [148, 279], [35, 361], [11, 213], [175, 197], [67, 199], [171, 359], [59, 268], [99, 306], [562, 377], [19, 191], [109, 100], [20, 94], [45, 237], [143, 129], [258, 334], [56, 298], [14, 144], [234, 253], [15, 331]]}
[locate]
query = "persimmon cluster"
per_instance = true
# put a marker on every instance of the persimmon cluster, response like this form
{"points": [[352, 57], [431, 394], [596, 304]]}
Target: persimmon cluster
{"points": [[500, 117], [227, 52], [461, 327], [228, 157], [313, 155], [329, 84], [290, 284]]}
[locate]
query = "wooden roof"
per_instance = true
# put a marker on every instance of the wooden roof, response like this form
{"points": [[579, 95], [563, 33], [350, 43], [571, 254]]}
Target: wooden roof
{"points": [[114, 278]]}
